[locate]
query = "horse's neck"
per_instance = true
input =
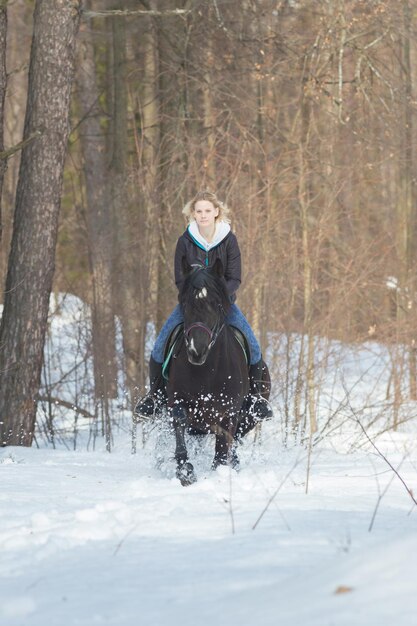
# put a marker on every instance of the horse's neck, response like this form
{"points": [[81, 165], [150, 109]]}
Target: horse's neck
{"points": [[225, 346]]}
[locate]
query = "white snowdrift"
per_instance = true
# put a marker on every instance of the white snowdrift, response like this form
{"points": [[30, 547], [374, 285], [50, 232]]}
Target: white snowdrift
{"points": [[97, 538]]}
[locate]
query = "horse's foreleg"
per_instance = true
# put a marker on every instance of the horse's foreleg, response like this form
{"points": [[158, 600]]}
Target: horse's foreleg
{"points": [[224, 443], [185, 471]]}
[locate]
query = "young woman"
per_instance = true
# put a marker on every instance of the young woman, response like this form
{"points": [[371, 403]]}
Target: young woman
{"points": [[207, 238]]}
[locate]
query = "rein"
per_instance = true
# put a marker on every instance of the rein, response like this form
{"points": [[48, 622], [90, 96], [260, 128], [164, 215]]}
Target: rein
{"points": [[219, 325], [212, 333]]}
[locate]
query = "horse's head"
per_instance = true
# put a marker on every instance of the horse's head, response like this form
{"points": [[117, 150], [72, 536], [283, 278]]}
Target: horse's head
{"points": [[205, 303]]}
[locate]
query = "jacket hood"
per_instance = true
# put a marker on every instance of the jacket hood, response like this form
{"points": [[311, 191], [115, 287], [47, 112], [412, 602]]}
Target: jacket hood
{"points": [[222, 230]]}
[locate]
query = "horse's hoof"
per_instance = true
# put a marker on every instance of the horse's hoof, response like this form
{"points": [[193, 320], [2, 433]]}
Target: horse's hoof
{"points": [[186, 474], [217, 463], [234, 460]]}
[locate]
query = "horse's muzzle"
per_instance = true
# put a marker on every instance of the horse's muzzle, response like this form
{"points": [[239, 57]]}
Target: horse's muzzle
{"points": [[197, 359]]}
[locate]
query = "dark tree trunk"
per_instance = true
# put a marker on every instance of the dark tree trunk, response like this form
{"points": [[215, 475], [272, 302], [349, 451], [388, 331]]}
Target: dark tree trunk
{"points": [[32, 256], [3, 82], [172, 169], [99, 224], [131, 307]]}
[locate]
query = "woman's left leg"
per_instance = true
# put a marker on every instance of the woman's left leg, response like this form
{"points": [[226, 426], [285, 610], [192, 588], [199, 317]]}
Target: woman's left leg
{"points": [[236, 318], [260, 407]]}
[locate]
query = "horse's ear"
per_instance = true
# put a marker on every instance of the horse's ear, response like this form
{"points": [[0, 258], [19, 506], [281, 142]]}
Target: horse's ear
{"points": [[186, 267], [218, 267]]}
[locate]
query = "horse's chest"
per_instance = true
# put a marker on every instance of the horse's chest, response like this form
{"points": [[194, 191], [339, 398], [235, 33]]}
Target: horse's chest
{"points": [[206, 412], [208, 386]]}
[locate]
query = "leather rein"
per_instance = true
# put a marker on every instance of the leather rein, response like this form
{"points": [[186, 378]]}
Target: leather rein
{"points": [[212, 333]]}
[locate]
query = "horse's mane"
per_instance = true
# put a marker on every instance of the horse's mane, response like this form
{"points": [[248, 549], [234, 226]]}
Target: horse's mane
{"points": [[205, 278]]}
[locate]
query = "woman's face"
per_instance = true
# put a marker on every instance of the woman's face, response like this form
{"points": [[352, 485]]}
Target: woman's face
{"points": [[205, 213]]}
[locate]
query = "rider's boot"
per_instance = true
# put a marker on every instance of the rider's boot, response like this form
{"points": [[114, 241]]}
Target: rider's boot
{"points": [[151, 404], [260, 407]]}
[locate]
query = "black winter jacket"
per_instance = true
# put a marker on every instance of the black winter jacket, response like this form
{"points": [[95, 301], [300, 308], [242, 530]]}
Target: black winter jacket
{"points": [[227, 251]]}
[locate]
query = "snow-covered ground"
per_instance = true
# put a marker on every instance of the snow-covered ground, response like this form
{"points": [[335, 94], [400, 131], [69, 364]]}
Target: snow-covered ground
{"points": [[96, 538], [88, 537]]}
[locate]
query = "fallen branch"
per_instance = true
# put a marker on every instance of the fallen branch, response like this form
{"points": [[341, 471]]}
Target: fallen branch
{"points": [[127, 12], [67, 405], [277, 490], [123, 539], [381, 495], [378, 451]]}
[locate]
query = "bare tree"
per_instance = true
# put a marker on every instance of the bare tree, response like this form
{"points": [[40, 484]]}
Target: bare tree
{"points": [[130, 306], [301, 115], [31, 261], [99, 226], [19, 31], [3, 82]]}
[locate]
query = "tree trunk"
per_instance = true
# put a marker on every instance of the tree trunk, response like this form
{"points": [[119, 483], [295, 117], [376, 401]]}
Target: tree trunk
{"points": [[19, 30], [130, 304], [407, 218], [32, 256], [99, 227], [172, 54], [304, 198], [209, 146], [3, 82], [150, 182]]}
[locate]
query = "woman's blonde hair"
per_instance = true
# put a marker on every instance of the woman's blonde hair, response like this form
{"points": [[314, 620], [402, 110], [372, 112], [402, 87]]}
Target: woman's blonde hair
{"points": [[188, 210]]}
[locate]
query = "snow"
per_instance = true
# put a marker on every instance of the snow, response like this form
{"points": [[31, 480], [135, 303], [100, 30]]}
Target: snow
{"points": [[89, 537], [99, 538]]}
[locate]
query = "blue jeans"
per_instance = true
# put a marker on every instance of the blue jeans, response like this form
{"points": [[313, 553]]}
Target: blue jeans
{"points": [[235, 317]]}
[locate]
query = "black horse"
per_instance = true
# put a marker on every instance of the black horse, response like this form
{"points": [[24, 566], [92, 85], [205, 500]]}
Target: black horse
{"points": [[208, 385]]}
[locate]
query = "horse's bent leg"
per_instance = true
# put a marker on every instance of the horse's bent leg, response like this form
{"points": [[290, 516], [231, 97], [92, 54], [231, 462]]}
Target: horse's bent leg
{"points": [[224, 443], [185, 471], [220, 454]]}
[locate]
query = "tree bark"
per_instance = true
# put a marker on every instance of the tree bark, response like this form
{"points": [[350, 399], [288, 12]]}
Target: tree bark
{"points": [[305, 201], [19, 31], [3, 83], [150, 180], [32, 256], [130, 305], [406, 208], [99, 228], [172, 171], [209, 146]]}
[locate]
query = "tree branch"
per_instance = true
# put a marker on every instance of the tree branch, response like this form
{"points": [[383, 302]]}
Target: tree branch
{"points": [[66, 404], [378, 451], [125, 12], [274, 495], [5, 154]]}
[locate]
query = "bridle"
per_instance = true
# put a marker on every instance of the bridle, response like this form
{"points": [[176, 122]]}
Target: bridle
{"points": [[214, 332]]}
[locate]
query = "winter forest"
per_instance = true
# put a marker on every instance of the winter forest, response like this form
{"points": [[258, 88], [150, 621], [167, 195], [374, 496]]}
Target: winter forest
{"points": [[302, 116]]}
